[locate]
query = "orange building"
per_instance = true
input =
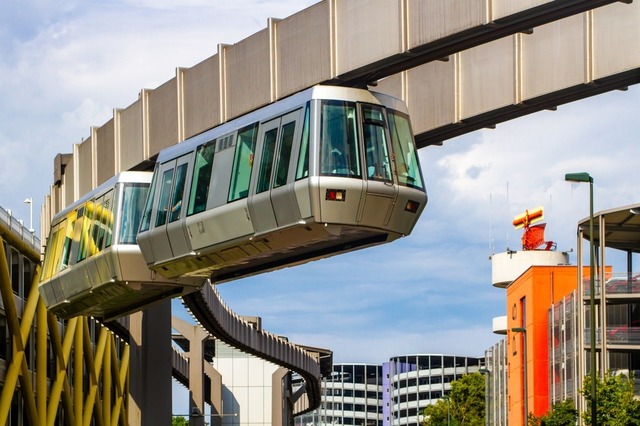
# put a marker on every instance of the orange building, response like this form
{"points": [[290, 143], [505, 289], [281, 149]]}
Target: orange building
{"points": [[529, 298]]}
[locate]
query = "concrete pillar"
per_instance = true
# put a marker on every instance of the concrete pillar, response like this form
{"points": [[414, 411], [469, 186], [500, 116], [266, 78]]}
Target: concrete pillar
{"points": [[150, 369], [281, 404], [196, 336], [216, 395]]}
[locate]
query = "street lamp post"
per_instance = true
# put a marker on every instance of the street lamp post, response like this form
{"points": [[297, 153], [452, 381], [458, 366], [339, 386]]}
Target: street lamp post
{"points": [[525, 372], [30, 202], [585, 177]]}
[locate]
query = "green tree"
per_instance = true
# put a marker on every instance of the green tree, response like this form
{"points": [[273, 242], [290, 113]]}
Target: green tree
{"points": [[561, 414], [615, 404], [464, 405], [179, 421]]}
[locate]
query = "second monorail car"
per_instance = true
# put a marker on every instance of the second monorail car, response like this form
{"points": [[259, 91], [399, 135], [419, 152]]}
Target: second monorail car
{"points": [[92, 263], [324, 171]]}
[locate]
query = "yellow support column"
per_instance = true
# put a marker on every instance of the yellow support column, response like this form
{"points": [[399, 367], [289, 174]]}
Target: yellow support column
{"points": [[41, 360], [123, 386], [106, 382], [117, 384], [62, 352], [94, 366], [19, 336], [78, 371]]}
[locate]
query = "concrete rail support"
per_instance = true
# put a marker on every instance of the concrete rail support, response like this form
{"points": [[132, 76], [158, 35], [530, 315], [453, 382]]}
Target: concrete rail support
{"points": [[479, 62], [150, 342], [196, 336]]}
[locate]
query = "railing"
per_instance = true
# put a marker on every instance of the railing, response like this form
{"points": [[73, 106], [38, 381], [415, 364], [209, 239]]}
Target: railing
{"points": [[623, 284], [18, 228], [587, 336], [623, 335], [617, 283]]}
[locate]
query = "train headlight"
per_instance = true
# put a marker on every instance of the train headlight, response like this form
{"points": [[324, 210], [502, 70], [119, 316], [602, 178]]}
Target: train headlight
{"points": [[412, 206], [336, 195]]}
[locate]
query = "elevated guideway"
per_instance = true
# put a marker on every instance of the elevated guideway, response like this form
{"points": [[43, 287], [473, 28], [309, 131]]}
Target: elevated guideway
{"points": [[459, 65], [208, 309], [214, 316]]}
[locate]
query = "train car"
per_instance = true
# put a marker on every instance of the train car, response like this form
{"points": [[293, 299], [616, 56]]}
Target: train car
{"points": [[92, 263], [325, 171]]}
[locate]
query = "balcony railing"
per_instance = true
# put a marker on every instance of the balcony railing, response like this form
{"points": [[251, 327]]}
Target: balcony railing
{"points": [[617, 283], [623, 335]]}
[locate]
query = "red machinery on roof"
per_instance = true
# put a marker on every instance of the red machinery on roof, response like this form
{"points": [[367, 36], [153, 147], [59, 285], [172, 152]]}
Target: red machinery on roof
{"points": [[533, 236]]}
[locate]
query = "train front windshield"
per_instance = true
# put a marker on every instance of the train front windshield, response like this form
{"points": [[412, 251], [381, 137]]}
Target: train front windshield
{"points": [[134, 196], [404, 149], [340, 147]]}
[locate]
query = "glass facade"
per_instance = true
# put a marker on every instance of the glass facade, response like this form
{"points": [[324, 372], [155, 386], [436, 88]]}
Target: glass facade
{"points": [[352, 395], [394, 393], [496, 384], [563, 350], [416, 381]]}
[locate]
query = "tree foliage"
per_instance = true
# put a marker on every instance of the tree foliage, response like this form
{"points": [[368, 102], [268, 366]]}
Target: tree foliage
{"points": [[561, 414], [615, 404], [464, 406], [179, 421]]}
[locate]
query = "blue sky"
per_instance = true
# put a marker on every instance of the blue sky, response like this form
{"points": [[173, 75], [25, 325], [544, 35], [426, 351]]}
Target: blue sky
{"points": [[65, 68]]}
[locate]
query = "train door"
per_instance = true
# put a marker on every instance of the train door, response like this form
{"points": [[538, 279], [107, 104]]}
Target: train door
{"points": [[167, 228], [175, 227], [380, 190], [272, 203], [283, 197], [102, 221]]}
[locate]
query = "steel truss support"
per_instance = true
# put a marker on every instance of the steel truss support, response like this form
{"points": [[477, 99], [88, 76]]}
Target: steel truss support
{"points": [[65, 396]]}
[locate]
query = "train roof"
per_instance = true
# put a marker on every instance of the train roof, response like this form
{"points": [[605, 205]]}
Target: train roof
{"points": [[278, 108]]}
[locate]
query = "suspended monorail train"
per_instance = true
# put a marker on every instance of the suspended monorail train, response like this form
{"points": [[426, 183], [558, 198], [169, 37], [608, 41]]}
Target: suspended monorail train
{"points": [[92, 263], [325, 171]]}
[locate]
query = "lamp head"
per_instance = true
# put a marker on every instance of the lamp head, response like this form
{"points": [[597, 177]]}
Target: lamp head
{"points": [[578, 177]]}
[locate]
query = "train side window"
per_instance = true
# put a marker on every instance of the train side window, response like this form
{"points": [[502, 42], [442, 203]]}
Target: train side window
{"points": [[201, 178], [97, 227], [302, 171], [163, 200], [178, 192], [339, 151], [404, 149], [85, 242], [53, 250], [284, 154], [375, 142], [146, 217], [243, 162], [108, 209], [266, 162], [68, 240], [76, 236], [103, 222], [133, 198]]}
